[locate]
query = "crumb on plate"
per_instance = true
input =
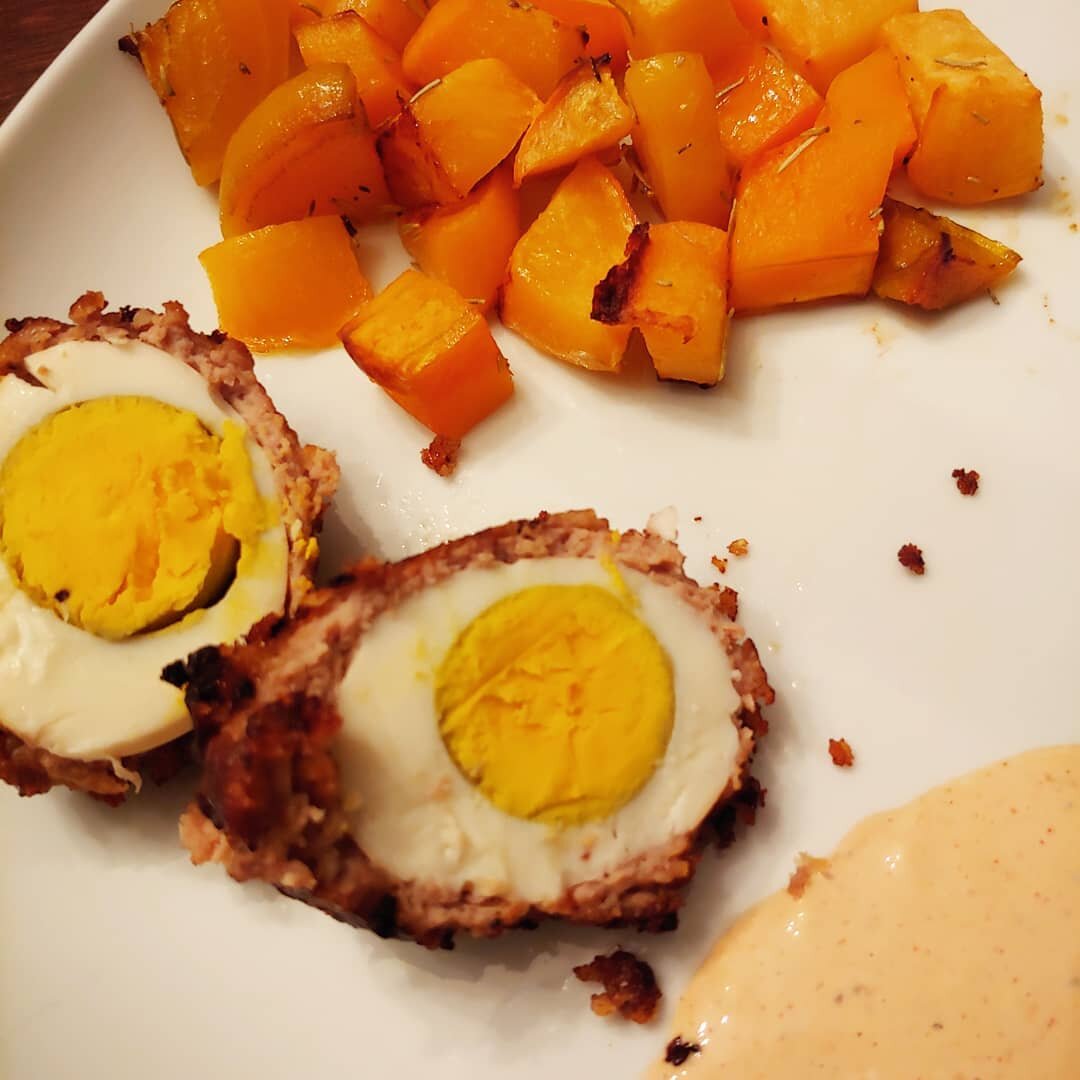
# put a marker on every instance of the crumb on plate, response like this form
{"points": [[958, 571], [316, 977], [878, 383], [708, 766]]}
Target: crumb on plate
{"points": [[967, 481], [720, 564], [841, 753], [441, 455], [739, 547], [911, 558], [629, 986], [678, 1050], [806, 867]]}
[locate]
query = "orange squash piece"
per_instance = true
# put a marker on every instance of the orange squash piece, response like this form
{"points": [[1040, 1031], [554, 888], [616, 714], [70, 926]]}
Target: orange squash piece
{"points": [[821, 39], [931, 262], [305, 150], [584, 116], [393, 20], [761, 102], [454, 133], [603, 23], [709, 27], [677, 138], [672, 286], [431, 352], [347, 39], [286, 285], [979, 116], [210, 62], [555, 266], [806, 213], [468, 245], [537, 48]]}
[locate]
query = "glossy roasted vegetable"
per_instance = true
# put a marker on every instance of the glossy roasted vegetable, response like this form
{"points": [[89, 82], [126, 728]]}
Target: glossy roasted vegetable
{"points": [[376, 67], [931, 262], [286, 285], [454, 133], [537, 48], [602, 22], [672, 286], [468, 244], [806, 219], [431, 352], [708, 27], [306, 149], [677, 139], [555, 266], [210, 62], [393, 20], [978, 115], [585, 115]]}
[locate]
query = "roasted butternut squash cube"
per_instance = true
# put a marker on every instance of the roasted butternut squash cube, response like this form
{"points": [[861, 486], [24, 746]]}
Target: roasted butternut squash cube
{"points": [[602, 22], [677, 139], [821, 38], [806, 213], [393, 20], [978, 115], [286, 285], [672, 286], [930, 261], [454, 133], [555, 266], [585, 115], [210, 62], [708, 27], [376, 67], [761, 102], [468, 244], [537, 48], [431, 352], [306, 149]]}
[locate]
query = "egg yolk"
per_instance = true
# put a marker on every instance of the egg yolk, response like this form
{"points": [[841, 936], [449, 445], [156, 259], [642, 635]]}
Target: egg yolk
{"points": [[122, 513], [557, 703]]}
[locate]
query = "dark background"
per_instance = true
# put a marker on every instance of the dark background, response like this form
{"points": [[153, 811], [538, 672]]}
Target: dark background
{"points": [[31, 35]]}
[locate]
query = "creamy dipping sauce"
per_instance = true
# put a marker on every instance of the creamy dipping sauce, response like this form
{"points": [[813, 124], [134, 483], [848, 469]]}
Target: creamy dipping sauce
{"points": [[943, 944]]}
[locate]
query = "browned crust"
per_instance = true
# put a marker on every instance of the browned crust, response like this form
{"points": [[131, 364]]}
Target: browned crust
{"points": [[270, 807], [612, 295], [306, 477], [630, 987]]}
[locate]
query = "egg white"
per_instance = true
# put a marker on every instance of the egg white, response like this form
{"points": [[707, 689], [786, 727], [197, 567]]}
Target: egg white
{"points": [[414, 813], [62, 688]]}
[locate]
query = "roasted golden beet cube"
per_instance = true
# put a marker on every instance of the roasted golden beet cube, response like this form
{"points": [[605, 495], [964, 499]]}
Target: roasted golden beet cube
{"points": [[677, 139], [432, 352], [930, 261], [979, 117], [555, 266], [672, 286], [602, 22], [708, 27], [393, 20]]}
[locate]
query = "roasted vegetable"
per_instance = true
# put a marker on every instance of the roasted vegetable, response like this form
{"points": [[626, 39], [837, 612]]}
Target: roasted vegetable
{"points": [[708, 27], [210, 62], [306, 149], [393, 20], [806, 213], [468, 244], [932, 262], [555, 266], [821, 39], [672, 286], [286, 285], [453, 134], [347, 39], [585, 115], [978, 115], [431, 352], [537, 48], [676, 137], [602, 22]]}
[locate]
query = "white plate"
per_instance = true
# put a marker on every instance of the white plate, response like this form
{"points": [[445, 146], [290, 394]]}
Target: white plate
{"points": [[829, 445]]}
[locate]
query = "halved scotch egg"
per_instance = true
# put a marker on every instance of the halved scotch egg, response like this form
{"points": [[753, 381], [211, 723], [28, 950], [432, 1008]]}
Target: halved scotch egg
{"points": [[152, 502], [537, 720]]}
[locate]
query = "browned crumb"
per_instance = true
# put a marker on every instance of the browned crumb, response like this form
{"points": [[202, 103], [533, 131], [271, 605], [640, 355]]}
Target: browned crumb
{"points": [[720, 564], [441, 455], [739, 547], [679, 1050], [740, 809], [911, 558], [629, 986], [697, 517], [841, 753], [967, 483], [807, 866]]}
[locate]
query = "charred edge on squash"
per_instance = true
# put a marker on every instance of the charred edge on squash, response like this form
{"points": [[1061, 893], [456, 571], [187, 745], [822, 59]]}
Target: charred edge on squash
{"points": [[612, 295]]}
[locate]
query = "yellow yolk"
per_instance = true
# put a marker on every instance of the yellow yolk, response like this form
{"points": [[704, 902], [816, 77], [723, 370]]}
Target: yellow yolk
{"points": [[123, 513], [557, 703]]}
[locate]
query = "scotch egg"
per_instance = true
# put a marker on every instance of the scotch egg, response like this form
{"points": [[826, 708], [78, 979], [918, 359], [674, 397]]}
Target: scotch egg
{"points": [[537, 720], [152, 502]]}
